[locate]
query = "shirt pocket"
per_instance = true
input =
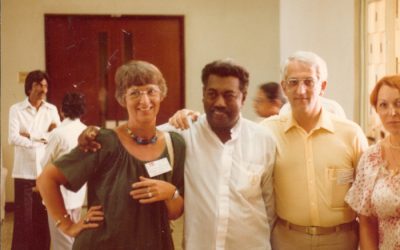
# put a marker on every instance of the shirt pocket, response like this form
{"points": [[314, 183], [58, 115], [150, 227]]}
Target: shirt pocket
{"points": [[339, 181], [247, 179]]}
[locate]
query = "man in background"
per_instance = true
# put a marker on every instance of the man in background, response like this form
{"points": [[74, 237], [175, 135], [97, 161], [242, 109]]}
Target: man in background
{"points": [[62, 140], [30, 121], [269, 99]]}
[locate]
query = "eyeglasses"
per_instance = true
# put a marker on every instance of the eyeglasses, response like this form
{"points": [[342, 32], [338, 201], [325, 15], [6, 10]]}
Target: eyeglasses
{"points": [[228, 96], [137, 93], [295, 82], [385, 108]]}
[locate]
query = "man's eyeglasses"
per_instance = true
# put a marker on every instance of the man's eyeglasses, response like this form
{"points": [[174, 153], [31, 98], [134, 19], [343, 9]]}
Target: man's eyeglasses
{"points": [[295, 82], [150, 92]]}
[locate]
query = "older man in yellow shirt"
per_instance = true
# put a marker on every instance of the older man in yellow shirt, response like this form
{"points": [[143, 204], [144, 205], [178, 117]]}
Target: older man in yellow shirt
{"points": [[317, 153]]}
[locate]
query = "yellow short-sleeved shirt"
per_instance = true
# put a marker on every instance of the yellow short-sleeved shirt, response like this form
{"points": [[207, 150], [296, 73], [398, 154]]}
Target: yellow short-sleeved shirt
{"points": [[313, 171]]}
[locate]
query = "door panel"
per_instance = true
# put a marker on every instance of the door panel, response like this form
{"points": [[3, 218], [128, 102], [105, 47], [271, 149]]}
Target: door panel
{"points": [[83, 53]]}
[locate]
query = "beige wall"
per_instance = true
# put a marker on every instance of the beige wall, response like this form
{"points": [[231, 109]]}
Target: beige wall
{"points": [[246, 31], [257, 33], [329, 28]]}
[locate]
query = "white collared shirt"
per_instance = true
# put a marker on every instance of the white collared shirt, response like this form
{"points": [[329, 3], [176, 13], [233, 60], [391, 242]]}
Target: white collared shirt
{"points": [[62, 140], [229, 200], [23, 117]]}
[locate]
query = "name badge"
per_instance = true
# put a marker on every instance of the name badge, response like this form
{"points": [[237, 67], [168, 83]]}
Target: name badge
{"points": [[158, 167]]}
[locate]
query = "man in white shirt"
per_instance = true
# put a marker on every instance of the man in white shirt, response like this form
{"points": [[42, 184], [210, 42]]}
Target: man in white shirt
{"points": [[61, 141], [229, 201], [30, 121], [228, 172]]}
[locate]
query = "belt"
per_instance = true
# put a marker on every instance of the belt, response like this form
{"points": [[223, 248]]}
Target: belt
{"points": [[313, 230]]}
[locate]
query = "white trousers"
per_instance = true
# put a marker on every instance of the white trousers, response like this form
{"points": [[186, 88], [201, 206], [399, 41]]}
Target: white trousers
{"points": [[59, 240]]}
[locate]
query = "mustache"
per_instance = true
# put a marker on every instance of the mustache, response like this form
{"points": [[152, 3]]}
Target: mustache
{"points": [[219, 109]]}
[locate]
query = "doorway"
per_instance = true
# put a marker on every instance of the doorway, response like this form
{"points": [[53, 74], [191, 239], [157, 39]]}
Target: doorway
{"points": [[84, 51]]}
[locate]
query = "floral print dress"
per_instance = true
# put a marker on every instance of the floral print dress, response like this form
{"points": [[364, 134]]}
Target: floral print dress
{"points": [[376, 192]]}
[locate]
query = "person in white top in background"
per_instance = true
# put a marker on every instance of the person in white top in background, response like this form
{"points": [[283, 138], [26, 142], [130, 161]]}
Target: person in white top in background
{"points": [[61, 141], [229, 200], [30, 121]]}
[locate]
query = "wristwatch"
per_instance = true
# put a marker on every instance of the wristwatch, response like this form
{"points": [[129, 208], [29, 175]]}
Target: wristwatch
{"points": [[175, 195]]}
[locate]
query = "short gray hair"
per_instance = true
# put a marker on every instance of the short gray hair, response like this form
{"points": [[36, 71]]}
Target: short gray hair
{"points": [[137, 73], [309, 58]]}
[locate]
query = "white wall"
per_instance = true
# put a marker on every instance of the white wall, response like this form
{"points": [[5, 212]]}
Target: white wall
{"points": [[246, 31], [329, 29]]}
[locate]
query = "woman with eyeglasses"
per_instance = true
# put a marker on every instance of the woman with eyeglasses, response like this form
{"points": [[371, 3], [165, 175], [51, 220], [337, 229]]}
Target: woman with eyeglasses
{"points": [[135, 182], [375, 193]]}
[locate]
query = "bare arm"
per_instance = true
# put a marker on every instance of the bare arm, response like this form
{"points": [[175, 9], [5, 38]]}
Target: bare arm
{"points": [[49, 187], [369, 236], [150, 190]]}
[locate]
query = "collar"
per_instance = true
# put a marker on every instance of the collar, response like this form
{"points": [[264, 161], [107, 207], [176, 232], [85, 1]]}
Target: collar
{"points": [[26, 104], [68, 121], [235, 130], [324, 122]]}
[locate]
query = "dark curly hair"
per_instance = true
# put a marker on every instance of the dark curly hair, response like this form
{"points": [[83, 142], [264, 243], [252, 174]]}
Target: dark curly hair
{"points": [[272, 91], [34, 76], [225, 68], [73, 105]]}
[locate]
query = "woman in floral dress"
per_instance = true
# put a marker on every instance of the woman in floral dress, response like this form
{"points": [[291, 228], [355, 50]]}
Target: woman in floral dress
{"points": [[375, 194]]}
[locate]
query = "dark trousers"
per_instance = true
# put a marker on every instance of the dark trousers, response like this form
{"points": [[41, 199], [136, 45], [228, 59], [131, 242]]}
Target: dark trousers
{"points": [[31, 229]]}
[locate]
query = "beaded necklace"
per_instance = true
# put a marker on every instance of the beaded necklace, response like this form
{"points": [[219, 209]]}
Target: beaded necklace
{"points": [[140, 140]]}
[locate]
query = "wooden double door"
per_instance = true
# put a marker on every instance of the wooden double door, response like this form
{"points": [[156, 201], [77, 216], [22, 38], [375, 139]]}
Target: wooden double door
{"points": [[83, 53]]}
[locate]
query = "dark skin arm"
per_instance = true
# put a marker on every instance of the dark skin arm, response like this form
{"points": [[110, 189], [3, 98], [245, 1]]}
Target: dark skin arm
{"points": [[87, 139], [51, 127]]}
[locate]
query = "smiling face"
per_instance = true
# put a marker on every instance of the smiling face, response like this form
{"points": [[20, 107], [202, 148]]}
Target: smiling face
{"points": [[143, 103], [303, 87], [222, 100], [388, 108]]}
